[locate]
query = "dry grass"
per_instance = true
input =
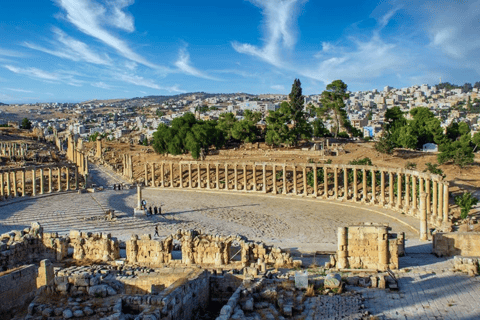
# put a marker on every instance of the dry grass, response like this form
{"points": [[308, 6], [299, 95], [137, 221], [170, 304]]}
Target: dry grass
{"points": [[310, 291]]}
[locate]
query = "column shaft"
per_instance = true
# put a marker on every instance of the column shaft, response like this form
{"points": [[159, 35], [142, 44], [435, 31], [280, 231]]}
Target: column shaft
{"points": [[171, 175], [445, 202], [382, 187], [190, 175], [265, 179], [335, 182], [180, 168], [244, 170], [399, 190], [325, 182], [50, 178], [390, 189], [315, 181], [274, 178], [60, 179], [284, 179], [254, 168], [355, 185], [41, 180], [217, 174], [208, 175], [345, 183], [423, 217], [294, 180], [34, 183], [364, 185], [23, 183]]}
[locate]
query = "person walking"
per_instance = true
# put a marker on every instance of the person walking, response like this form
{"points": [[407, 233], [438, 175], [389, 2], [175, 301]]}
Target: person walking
{"points": [[156, 231]]}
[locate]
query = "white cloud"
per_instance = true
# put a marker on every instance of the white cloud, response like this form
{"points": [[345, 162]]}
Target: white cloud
{"points": [[119, 18], [183, 63], [46, 76], [279, 21], [19, 90], [101, 85], [140, 81], [89, 17], [278, 88], [34, 72], [10, 53], [72, 49]]}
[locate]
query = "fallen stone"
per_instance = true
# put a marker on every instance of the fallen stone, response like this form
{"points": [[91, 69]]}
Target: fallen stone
{"points": [[67, 314]]}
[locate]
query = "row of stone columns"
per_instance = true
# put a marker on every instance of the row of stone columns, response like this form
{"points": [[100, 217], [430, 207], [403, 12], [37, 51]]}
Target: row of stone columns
{"points": [[10, 150], [399, 190], [13, 180]]}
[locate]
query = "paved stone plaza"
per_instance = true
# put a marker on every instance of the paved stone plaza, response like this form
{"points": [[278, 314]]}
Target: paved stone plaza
{"points": [[428, 287]]}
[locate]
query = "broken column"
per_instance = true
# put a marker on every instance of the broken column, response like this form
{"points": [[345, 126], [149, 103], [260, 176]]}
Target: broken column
{"points": [[423, 216]]}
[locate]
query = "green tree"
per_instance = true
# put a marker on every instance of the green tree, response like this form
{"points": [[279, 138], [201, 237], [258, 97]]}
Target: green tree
{"points": [[187, 134], [459, 152], [159, 113], [466, 201], [225, 123], [319, 129], [333, 100], [289, 123], [384, 145], [476, 140], [278, 131], [246, 130], [26, 124]]}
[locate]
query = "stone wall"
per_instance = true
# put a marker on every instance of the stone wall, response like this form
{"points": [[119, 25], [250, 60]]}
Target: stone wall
{"points": [[17, 288], [223, 286], [368, 247], [203, 249], [29, 245], [457, 244], [94, 246]]}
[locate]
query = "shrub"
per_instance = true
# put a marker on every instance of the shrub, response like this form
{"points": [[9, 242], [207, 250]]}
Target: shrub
{"points": [[465, 202], [410, 165]]}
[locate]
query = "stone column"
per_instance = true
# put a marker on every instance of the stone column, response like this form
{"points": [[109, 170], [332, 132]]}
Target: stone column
{"points": [[382, 187], [274, 178], [364, 185], [355, 185], [342, 262], [406, 206], [9, 187], [34, 182], [254, 170], [399, 191], [67, 169], [153, 174], [208, 175], [171, 175], [41, 180], [435, 201], [284, 179], [244, 170], [390, 189], [345, 183], [423, 216], [264, 167], [335, 182], [2, 191], [76, 177], [60, 179], [414, 194], [190, 175], [429, 197], [440, 203], [217, 174], [315, 181], [50, 178], [146, 174], [162, 174], [180, 167], [226, 176], [23, 183], [445, 202], [294, 180], [236, 176], [15, 192], [374, 187], [99, 148], [139, 196], [422, 186], [382, 249], [199, 168]]}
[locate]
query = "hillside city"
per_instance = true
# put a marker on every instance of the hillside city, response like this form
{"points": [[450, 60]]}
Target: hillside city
{"points": [[139, 118]]}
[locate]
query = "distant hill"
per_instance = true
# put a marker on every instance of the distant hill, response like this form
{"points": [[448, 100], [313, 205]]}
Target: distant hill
{"points": [[3, 104]]}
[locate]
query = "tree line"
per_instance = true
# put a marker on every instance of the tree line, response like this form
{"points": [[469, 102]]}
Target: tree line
{"points": [[457, 146], [287, 126]]}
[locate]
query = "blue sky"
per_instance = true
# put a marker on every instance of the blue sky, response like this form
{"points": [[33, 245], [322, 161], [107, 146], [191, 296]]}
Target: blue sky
{"points": [[76, 50]]}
